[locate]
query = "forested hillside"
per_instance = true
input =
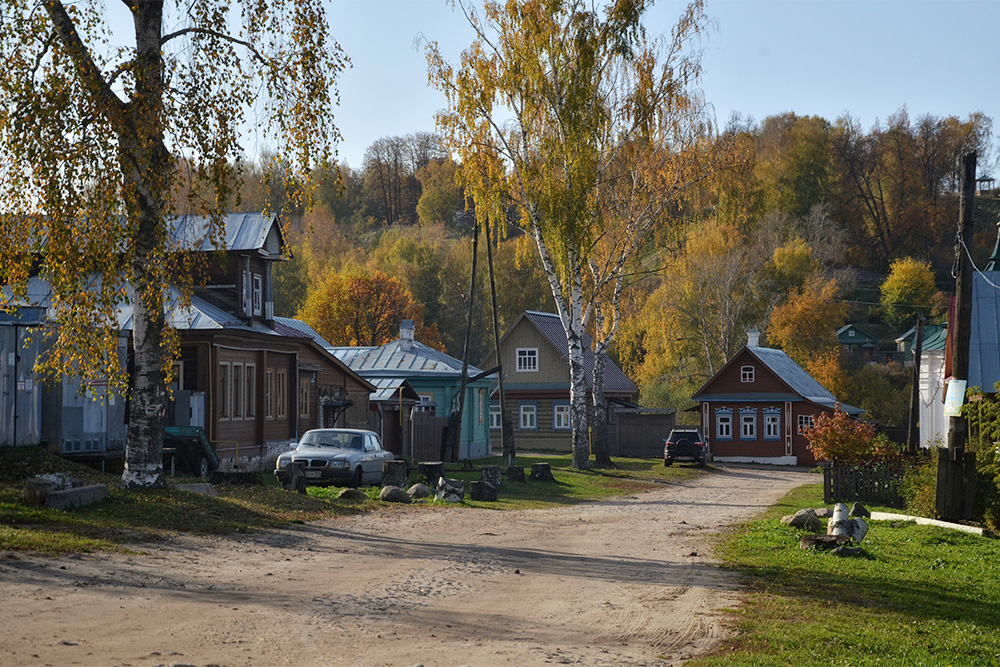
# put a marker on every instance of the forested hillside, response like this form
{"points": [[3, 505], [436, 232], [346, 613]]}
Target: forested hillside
{"points": [[796, 236]]}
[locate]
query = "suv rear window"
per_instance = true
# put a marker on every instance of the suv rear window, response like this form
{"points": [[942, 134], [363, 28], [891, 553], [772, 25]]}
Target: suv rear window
{"points": [[691, 436]]}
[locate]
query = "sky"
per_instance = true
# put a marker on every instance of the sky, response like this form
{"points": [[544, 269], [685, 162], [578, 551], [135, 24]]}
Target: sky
{"points": [[762, 57]]}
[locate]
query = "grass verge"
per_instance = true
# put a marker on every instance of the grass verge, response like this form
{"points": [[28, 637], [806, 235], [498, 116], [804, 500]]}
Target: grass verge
{"points": [[131, 517], [921, 596]]}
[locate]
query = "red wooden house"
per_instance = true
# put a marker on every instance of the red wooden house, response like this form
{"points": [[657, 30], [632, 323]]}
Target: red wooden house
{"points": [[755, 408]]}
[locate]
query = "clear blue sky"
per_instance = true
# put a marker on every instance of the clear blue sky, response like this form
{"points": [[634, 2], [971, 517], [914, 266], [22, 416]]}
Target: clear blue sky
{"points": [[814, 57]]}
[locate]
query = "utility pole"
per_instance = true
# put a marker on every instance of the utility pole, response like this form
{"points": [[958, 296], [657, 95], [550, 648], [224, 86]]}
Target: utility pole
{"points": [[455, 419], [956, 469], [506, 430], [913, 430]]}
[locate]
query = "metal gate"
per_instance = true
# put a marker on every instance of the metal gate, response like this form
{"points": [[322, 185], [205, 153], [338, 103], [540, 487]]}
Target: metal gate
{"points": [[641, 432]]}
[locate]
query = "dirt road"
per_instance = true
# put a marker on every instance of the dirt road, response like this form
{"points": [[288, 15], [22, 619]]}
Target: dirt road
{"points": [[629, 581]]}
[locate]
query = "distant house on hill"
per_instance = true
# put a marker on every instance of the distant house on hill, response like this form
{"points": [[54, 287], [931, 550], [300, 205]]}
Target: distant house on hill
{"points": [[754, 409], [856, 341]]}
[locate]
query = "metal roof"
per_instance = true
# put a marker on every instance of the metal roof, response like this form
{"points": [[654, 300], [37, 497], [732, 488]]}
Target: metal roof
{"points": [[398, 359], [798, 379], [243, 231], [200, 315], [550, 326], [984, 336], [389, 390]]}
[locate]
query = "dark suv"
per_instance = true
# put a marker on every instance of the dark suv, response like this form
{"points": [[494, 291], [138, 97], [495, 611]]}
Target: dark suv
{"points": [[685, 445]]}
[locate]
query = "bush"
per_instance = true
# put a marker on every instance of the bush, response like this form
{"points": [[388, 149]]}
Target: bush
{"points": [[840, 437], [919, 488]]}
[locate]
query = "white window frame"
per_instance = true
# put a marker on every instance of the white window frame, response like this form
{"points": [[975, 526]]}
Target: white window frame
{"points": [[281, 393], [724, 418], [526, 360], [805, 421], [561, 420], [425, 404], [496, 416], [772, 424], [746, 374], [748, 424], [527, 417], [258, 293]]}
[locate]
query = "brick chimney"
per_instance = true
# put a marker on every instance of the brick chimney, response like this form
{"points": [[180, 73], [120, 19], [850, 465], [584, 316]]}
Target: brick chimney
{"points": [[406, 334]]}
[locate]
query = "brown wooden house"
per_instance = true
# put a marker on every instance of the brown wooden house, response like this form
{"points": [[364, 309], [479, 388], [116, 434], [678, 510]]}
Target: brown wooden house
{"points": [[755, 408]]}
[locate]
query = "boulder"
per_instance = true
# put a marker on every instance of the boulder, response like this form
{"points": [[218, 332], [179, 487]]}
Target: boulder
{"points": [[418, 491], [848, 552], [352, 494], [393, 494], [857, 509], [823, 512], [805, 518]]}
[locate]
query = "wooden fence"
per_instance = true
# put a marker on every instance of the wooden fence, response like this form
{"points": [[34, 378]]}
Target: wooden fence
{"points": [[878, 483]]}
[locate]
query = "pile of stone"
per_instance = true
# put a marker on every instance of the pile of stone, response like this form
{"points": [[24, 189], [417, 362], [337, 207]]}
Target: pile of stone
{"points": [[845, 529]]}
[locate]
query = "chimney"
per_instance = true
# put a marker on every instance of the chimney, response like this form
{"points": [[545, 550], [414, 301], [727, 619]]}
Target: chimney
{"points": [[406, 334], [753, 337]]}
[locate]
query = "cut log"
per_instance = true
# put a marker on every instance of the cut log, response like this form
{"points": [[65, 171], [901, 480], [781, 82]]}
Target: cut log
{"points": [[294, 478], [541, 472], [432, 471], [515, 473], [839, 523], [491, 474], [483, 491], [36, 490], [822, 542], [394, 473]]}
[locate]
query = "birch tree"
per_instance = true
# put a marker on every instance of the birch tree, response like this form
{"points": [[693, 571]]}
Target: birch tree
{"points": [[542, 103], [94, 121]]}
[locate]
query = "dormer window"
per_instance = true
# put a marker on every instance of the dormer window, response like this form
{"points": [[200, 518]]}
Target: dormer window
{"points": [[258, 294], [746, 374]]}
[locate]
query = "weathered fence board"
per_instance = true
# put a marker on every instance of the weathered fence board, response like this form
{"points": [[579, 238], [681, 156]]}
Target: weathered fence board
{"points": [[870, 483]]}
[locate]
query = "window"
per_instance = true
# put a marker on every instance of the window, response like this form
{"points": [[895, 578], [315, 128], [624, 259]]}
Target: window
{"points": [[258, 293], [269, 394], [304, 397], [748, 424], [724, 424], [746, 374], [527, 360], [772, 424], [246, 292], [560, 417], [250, 382], [805, 421], [281, 393], [224, 390], [528, 416], [426, 403], [495, 416], [237, 395]]}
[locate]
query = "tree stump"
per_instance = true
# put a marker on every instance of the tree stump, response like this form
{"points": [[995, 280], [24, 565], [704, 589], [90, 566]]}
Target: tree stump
{"points": [[541, 472], [491, 474], [294, 478], [515, 473], [36, 490], [484, 491], [822, 542], [394, 473], [432, 471]]}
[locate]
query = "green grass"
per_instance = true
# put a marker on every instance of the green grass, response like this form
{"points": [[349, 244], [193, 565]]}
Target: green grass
{"points": [[129, 518], [921, 596]]}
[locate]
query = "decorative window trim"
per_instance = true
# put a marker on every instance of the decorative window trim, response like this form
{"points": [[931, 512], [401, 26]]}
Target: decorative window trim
{"points": [[561, 416], [527, 415], [772, 418], [426, 403], [526, 360], [748, 424], [724, 417], [304, 400], [746, 373]]}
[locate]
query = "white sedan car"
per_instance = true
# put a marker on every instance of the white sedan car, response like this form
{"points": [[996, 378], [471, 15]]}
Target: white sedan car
{"points": [[339, 456]]}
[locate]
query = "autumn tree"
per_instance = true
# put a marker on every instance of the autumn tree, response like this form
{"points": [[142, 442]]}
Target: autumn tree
{"points": [[358, 308], [909, 291], [91, 139], [542, 103], [804, 325]]}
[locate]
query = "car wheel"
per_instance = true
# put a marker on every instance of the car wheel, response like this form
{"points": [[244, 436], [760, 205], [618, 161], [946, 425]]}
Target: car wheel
{"points": [[203, 468], [356, 480]]}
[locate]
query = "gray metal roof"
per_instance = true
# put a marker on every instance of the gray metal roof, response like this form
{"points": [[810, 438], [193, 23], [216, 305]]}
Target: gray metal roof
{"points": [[390, 389], [243, 231], [550, 326], [397, 359], [200, 315], [798, 379], [984, 336]]}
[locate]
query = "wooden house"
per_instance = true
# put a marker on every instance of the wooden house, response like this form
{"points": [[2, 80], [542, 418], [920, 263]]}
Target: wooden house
{"points": [[756, 406], [535, 359], [854, 340]]}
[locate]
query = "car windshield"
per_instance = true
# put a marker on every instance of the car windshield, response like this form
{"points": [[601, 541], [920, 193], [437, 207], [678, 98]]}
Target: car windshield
{"points": [[341, 439]]}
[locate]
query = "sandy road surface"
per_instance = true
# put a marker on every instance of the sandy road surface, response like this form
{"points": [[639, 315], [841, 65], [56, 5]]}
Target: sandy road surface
{"points": [[628, 581]]}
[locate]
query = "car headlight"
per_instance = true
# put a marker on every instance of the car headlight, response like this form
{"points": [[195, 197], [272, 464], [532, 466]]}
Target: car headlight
{"points": [[282, 463], [338, 464]]}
